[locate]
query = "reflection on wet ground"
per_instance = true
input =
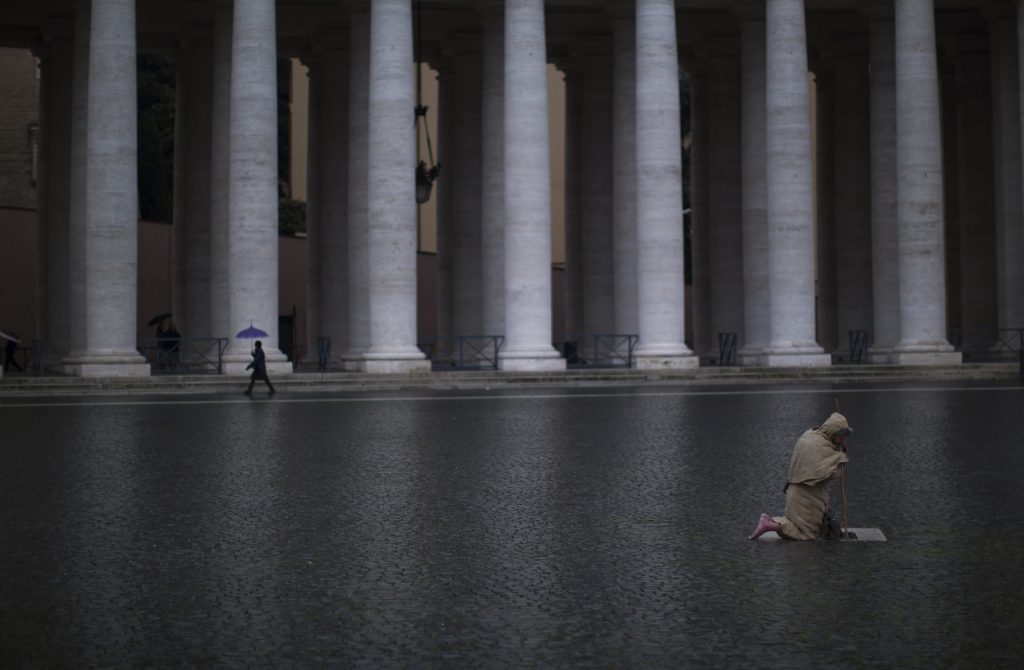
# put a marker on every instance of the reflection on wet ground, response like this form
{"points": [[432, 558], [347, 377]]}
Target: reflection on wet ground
{"points": [[551, 529]]}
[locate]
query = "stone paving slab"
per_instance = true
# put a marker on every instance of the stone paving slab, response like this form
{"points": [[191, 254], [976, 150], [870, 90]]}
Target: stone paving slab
{"points": [[555, 528]]}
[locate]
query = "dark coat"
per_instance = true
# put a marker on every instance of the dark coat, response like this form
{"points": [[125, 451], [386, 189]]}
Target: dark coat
{"points": [[258, 365]]}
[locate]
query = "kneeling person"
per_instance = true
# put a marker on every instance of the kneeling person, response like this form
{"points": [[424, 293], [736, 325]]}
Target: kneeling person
{"points": [[819, 456]]}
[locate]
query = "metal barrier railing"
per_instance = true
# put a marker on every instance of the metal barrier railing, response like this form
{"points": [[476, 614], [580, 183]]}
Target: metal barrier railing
{"points": [[727, 348], [463, 352], [860, 340], [586, 350], [186, 355], [989, 344]]}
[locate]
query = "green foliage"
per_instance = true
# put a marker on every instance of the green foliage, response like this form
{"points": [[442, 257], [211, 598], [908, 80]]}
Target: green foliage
{"points": [[156, 137], [291, 216]]}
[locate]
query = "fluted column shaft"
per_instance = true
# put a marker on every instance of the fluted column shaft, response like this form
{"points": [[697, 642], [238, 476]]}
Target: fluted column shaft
{"points": [[192, 174], [527, 193], [573, 275], [316, 117], [825, 209], [252, 184], [392, 196], [919, 204], [661, 313], [852, 196], [790, 222], [334, 213], [754, 194], [492, 212], [700, 214], [1010, 210], [111, 196], [596, 189], [884, 244], [444, 192], [358, 189], [76, 199], [466, 270], [220, 144], [975, 142], [725, 184], [624, 172]]}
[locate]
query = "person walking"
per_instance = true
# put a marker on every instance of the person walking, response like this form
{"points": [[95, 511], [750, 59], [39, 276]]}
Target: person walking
{"points": [[818, 457], [259, 369]]}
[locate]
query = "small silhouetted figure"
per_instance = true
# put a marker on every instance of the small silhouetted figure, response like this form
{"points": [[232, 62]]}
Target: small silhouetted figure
{"points": [[259, 369], [173, 338], [10, 349]]}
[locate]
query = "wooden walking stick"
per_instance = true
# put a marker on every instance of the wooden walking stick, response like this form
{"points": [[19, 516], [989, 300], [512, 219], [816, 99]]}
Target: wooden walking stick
{"points": [[842, 489]]}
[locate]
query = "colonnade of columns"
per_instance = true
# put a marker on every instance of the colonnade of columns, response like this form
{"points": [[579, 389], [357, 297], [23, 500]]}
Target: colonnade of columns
{"points": [[755, 242]]}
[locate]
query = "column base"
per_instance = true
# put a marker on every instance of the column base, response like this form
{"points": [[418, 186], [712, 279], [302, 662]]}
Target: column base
{"points": [[109, 364], [351, 360], [798, 355], [653, 361], [750, 356], [880, 356], [405, 360], [234, 364], [530, 360], [926, 357]]}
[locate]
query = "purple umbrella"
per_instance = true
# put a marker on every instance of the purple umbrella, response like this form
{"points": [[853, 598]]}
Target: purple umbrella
{"points": [[251, 333]]}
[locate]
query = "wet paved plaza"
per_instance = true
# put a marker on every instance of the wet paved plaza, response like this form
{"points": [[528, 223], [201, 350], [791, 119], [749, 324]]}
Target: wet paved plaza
{"points": [[520, 528]]}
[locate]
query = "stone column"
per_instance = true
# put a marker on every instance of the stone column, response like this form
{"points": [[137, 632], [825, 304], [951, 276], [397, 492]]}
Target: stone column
{"points": [[466, 166], [790, 214], [623, 162], [392, 193], [316, 119], [919, 204], [334, 162], [1009, 217], [444, 191], [492, 172], [1020, 102], [76, 195], [975, 140], [111, 197], [825, 209], [884, 245], [358, 173], [573, 198], [527, 193], [700, 248], [192, 174], [57, 163], [661, 302], [852, 259], [755, 230], [725, 236], [252, 186], [596, 186], [220, 294]]}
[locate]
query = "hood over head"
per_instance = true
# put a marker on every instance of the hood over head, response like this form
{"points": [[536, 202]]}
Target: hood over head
{"points": [[835, 425]]}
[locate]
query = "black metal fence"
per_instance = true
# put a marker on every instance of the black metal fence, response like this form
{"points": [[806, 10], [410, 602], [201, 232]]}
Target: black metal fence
{"points": [[463, 352], [988, 344], [186, 355], [586, 350]]}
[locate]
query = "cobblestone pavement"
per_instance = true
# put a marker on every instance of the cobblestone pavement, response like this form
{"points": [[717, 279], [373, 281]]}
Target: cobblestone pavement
{"points": [[585, 528]]}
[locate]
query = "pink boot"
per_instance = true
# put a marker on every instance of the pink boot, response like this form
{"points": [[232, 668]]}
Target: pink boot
{"points": [[765, 524]]}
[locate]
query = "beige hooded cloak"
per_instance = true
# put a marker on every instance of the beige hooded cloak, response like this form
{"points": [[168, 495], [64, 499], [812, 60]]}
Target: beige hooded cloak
{"points": [[815, 461]]}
